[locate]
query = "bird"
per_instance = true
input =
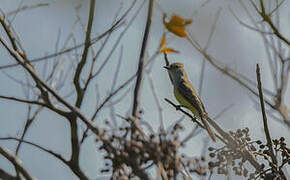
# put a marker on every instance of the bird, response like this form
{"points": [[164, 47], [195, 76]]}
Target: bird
{"points": [[186, 95]]}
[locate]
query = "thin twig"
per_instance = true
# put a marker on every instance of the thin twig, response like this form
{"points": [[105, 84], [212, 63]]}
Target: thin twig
{"points": [[267, 18], [190, 135], [23, 100], [28, 123], [23, 8], [38, 80], [81, 64], [155, 95], [92, 41], [58, 156], [205, 49], [277, 7], [121, 35], [93, 75], [224, 70], [248, 26], [121, 87], [199, 8], [266, 129], [114, 83]]}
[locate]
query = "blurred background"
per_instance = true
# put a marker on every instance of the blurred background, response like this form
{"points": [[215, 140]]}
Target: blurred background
{"points": [[45, 30]]}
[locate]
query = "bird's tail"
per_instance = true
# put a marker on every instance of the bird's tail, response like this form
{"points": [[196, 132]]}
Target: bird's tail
{"points": [[207, 128]]}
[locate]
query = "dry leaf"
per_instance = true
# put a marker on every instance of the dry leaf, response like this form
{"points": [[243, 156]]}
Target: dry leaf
{"points": [[176, 25], [168, 50], [163, 48]]}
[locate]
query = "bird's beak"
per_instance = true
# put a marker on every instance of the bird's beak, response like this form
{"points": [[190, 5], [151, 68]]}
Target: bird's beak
{"points": [[166, 67]]}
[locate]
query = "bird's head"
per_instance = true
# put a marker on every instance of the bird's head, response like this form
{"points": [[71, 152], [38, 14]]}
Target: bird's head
{"points": [[176, 71], [175, 68]]}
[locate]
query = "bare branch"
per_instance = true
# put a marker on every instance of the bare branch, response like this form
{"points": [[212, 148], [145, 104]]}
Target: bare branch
{"points": [[92, 41], [226, 138], [267, 18], [114, 82], [31, 71], [75, 168], [224, 70], [121, 87], [6, 175], [248, 26], [28, 123], [11, 36], [16, 162], [24, 8], [82, 62], [137, 90], [23, 100], [98, 71], [58, 156]]}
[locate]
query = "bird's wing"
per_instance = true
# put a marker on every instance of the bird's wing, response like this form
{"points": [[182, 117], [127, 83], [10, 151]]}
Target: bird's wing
{"points": [[191, 96]]}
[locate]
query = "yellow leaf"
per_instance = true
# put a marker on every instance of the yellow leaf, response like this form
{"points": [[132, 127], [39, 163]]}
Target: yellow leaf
{"points": [[162, 41], [176, 25], [163, 48], [168, 50], [179, 21]]}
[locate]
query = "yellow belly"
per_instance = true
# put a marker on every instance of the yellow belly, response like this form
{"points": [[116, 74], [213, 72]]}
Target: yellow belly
{"points": [[182, 101]]}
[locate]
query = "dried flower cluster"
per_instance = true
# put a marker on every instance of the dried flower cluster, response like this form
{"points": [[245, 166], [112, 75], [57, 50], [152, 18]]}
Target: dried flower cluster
{"points": [[132, 153], [270, 169], [226, 158]]}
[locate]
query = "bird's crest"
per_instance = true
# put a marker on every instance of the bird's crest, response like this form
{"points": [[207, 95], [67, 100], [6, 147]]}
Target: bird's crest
{"points": [[178, 64]]}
